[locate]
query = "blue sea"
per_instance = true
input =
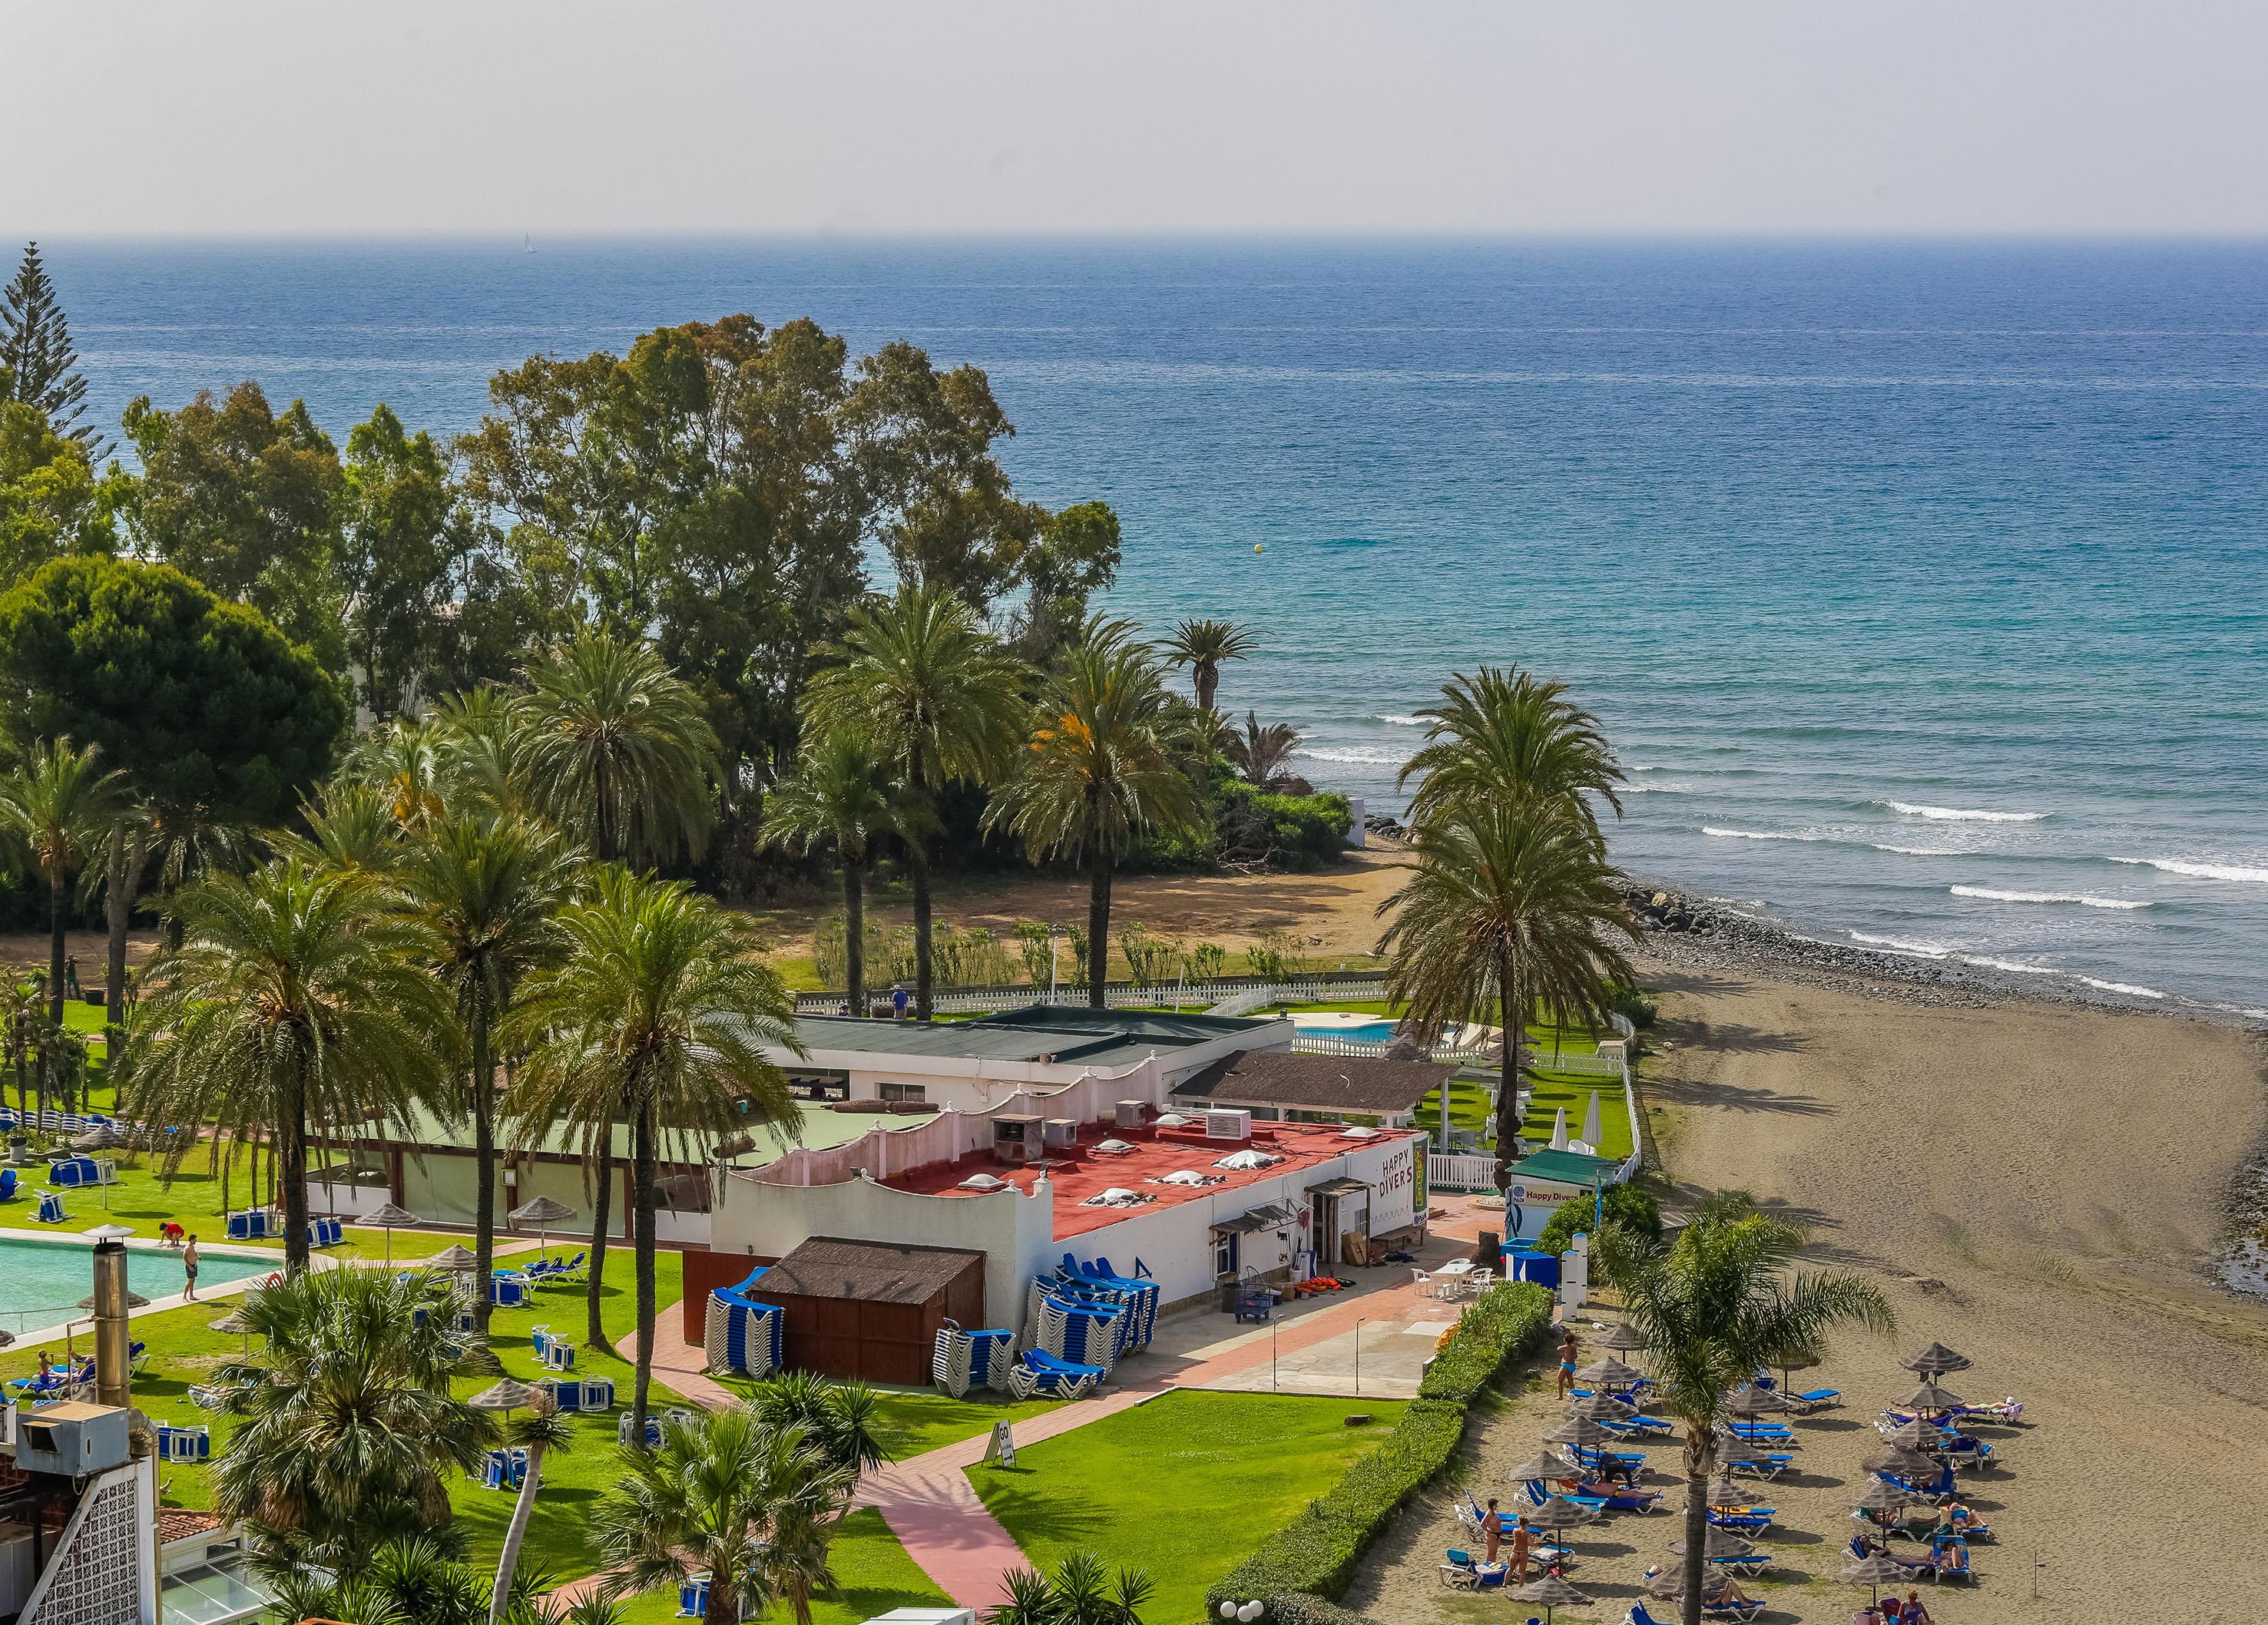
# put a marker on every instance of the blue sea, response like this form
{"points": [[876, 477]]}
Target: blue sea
{"points": [[1923, 587]]}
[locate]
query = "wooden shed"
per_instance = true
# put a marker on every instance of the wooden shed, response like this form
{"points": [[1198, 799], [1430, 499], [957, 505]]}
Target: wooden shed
{"points": [[872, 1308]]}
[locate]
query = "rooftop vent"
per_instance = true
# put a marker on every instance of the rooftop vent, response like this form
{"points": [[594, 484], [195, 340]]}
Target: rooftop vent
{"points": [[1062, 1133], [1228, 1125], [1129, 1114]]}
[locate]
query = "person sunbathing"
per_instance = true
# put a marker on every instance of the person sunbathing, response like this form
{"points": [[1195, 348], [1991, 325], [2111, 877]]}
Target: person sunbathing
{"points": [[1950, 1556], [1727, 1595], [1959, 1519]]}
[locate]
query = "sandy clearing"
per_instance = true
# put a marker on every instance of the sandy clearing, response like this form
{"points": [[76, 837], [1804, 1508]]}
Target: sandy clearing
{"points": [[2068, 1229]]}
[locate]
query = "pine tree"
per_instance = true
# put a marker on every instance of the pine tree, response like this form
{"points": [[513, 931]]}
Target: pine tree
{"points": [[38, 365]]}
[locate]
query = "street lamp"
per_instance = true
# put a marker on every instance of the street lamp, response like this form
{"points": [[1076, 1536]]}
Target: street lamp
{"points": [[1358, 1355]]}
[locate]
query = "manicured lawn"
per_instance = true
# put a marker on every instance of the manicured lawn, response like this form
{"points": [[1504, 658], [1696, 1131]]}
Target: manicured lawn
{"points": [[873, 1576], [1184, 1487], [916, 1420], [1557, 1090], [184, 1351], [1468, 1109]]}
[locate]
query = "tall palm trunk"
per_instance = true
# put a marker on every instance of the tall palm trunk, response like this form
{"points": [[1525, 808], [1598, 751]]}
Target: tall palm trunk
{"points": [[1098, 929], [287, 1162], [119, 865], [925, 970], [1700, 1445], [485, 1161], [603, 834], [508, 1563], [1205, 677], [58, 916], [1507, 1093], [723, 1605], [854, 922], [642, 1202], [602, 1204]]}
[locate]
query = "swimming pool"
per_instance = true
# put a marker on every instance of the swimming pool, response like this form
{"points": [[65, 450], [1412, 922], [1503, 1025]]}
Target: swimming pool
{"points": [[42, 1281], [1341, 1023]]}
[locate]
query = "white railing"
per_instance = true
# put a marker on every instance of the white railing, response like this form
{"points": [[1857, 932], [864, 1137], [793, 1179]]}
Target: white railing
{"points": [[1311, 1042], [1573, 1066], [1123, 995], [1460, 1171]]}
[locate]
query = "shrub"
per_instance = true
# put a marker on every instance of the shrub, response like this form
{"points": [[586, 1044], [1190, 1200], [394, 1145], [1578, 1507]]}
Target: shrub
{"points": [[1294, 831], [1625, 1205], [1632, 1005], [1314, 1556]]}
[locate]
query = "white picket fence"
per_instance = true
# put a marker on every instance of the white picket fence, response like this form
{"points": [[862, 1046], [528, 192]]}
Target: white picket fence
{"points": [[1313, 1043], [1246, 996], [1464, 1171]]}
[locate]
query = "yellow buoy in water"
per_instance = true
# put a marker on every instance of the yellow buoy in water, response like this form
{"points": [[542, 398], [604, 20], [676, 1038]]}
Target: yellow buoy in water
{"points": [[1256, 547]]}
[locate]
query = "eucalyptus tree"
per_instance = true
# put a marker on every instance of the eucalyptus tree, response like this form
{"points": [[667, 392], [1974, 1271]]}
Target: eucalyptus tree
{"points": [[1505, 903], [300, 994], [1100, 770], [940, 700], [839, 798], [615, 748], [1716, 1304], [655, 1017]]}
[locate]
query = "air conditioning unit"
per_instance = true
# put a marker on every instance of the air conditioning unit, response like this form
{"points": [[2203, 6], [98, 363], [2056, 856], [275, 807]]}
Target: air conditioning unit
{"points": [[1017, 1139], [1062, 1133], [1129, 1114], [71, 1439], [1226, 1125]]}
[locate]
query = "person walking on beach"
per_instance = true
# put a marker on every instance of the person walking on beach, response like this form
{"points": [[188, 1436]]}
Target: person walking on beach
{"points": [[1492, 1531], [1566, 1360], [1524, 1542], [189, 1269]]}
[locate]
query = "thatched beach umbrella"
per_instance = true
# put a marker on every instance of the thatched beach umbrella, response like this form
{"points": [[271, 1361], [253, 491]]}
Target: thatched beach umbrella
{"points": [[1546, 1466], [1917, 1435], [1721, 1543], [1559, 1514], [1580, 1431], [1928, 1396], [1602, 1408], [1754, 1402], [1725, 1492], [454, 1256], [133, 1300], [1904, 1463], [1879, 1496], [1877, 1569], [1552, 1593], [1623, 1339], [1935, 1361], [1609, 1373], [543, 1213], [389, 1218], [505, 1396], [231, 1323]]}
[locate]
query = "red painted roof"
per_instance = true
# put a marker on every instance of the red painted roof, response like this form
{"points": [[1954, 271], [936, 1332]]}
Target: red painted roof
{"points": [[1081, 1170]]}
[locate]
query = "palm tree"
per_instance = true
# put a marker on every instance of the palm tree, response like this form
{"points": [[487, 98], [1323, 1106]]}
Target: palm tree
{"points": [[614, 747], [1506, 903], [656, 1013], [481, 747], [1202, 645], [1261, 753], [841, 1419], [839, 796], [1100, 770], [940, 700], [191, 841], [1080, 1592], [1509, 736], [353, 825], [752, 1504], [125, 855], [57, 810], [539, 1432], [1716, 1305], [418, 1581], [487, 888], [350, 1435], [299, 995]]}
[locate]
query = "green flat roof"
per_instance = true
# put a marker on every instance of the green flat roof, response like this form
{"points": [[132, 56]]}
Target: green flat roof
{"points": [[817, 1129], [1040, 1033], [1563, 1167]]}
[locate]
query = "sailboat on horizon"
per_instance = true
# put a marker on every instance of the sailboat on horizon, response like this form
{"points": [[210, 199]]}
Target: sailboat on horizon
{"points": [[526, 243]]}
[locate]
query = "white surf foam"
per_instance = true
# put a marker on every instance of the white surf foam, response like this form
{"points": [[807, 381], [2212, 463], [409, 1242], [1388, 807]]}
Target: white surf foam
{"points": [[1363, 755], [1901, 944], [2200, 871], [2080, 898], [2123, 986], [1401, 722], [1961, 815], [1758, 835], [1926, 851]]}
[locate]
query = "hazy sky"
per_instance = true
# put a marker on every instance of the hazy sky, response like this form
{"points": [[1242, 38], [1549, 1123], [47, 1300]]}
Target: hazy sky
{"points": [[153, 116]]}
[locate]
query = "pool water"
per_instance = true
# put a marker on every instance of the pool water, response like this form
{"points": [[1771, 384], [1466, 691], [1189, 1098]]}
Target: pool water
{"points": [[42, 1281], [1380, 1032]]}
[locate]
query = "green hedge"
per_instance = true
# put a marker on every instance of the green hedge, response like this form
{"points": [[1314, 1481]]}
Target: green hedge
{"points": [[1314, 1556]]}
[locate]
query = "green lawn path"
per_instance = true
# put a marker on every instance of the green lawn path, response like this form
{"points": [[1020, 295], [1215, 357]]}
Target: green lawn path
{"points": [[1184, 1487]]}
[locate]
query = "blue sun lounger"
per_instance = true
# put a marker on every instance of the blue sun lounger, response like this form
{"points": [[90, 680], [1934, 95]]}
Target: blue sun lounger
{"points": [[1038, 1372]]}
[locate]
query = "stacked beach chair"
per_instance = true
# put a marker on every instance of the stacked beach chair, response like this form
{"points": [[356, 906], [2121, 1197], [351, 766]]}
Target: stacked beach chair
{"points": [[1136, 1294], [965, 1360], [743, 1334], [1071, 1343]]}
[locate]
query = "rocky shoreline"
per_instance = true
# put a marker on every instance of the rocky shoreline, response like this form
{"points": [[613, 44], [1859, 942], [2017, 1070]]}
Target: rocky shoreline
{"points": [[1690, 931]]}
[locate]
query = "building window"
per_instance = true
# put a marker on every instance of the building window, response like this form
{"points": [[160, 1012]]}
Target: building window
{"points": [[1224, 1253], [905, 1095]]}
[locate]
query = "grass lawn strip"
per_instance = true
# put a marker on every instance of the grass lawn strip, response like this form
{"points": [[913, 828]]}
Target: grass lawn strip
{"points": [[873, 1576], [1185, 1487]]}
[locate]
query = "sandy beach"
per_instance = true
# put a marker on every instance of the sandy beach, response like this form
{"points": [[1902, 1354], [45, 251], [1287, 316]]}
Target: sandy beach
{"points": [[2037, 1186]]}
